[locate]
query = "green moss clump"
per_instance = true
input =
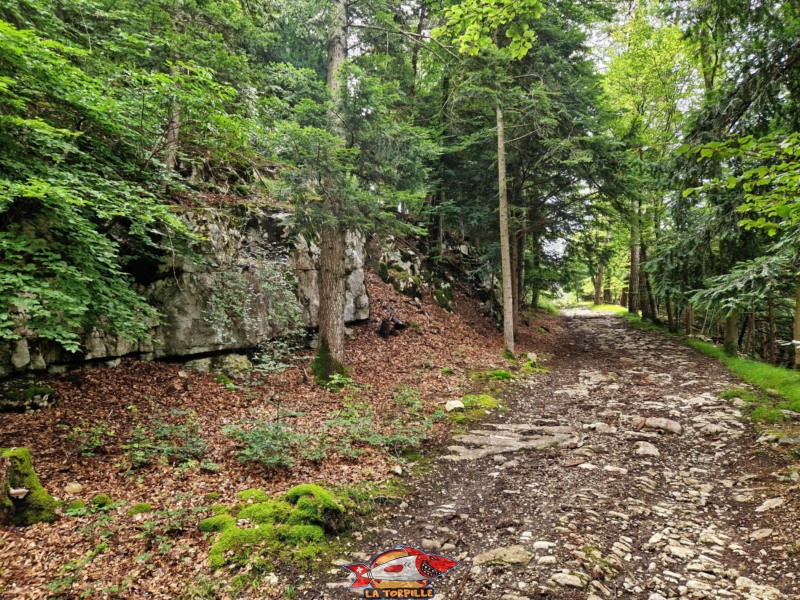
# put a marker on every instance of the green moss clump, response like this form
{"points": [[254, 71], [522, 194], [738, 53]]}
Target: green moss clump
{"points": [[76, 506], [500, 375], [475, 407], [509, 355], [236, 544], [37, 506], [211, 496], [276, 511], [324, 366], [530, 368], [219, 509], [102, 500], [323, 496], [299, 534], [140, 508], [217, 523], [291, 527], [484, 401], [253, 494]]}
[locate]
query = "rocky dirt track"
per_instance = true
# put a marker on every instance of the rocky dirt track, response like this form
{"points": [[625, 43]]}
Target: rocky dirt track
{"points": [[619, 474]]}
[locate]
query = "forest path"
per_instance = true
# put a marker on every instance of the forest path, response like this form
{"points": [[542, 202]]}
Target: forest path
{"points": [[651, 486]]}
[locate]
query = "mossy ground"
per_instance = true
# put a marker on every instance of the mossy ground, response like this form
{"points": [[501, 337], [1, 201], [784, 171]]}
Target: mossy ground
{"points": [[37, 506], [476, 407], [295, 527]]}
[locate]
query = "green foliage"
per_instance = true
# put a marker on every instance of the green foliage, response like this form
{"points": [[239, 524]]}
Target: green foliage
{"points": [[784, 382], [37, 506], [496, 375], [483, 401], [271, 444], [472, 24], [612, 308], [476, 407], [765, 414], [92, 437], [160, 438]]}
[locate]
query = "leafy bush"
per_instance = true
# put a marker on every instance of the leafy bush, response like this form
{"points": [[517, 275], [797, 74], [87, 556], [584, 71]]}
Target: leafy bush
{"points": [[269, 443], [91, 437], [165, 441]]}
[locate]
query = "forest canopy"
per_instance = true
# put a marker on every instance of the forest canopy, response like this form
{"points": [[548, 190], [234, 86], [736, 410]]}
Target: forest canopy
{"points": [[649, 149]]}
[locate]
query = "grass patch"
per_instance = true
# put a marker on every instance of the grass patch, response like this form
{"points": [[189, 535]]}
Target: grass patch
{"points": [[769, 378], [612, 308], [547, 305], [766, 414], [643, 324], [741, 393], [785, 382]]}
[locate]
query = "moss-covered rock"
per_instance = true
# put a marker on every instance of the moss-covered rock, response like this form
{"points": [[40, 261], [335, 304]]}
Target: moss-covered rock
{"points": [[253, 495], [217, 523], [236, 544], [484, 401], [16, 471], [21, 395], [276, 511], [140, 508], [288, 526], [102, 500]]}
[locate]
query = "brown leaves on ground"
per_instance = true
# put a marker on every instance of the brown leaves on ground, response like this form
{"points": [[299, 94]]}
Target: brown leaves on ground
{"points": [[161, 554]]}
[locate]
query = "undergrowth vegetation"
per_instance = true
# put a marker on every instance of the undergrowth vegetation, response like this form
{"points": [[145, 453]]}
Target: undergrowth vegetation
{"points": [[781, 386]]}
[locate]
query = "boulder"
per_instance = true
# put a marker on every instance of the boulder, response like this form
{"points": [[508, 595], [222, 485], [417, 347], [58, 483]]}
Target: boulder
{"points": [[511, 555], [232, 365]]}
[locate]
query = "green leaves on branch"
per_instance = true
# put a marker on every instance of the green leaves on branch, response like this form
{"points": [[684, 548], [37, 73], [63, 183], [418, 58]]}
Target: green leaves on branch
{"points": [[767, 170], [472, 25]]}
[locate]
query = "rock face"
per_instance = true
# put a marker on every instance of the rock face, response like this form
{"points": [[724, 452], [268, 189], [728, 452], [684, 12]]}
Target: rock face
{"points": [[230, 292]]}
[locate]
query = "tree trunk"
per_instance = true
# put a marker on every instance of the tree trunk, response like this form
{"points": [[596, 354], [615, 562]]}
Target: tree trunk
{"points": [[796, 335], [670, 317], [731, 343], [598, 285], [505, 249], [514, 251], [771, 332], [332, 242], [689, 318], [520, 270], [633, 282]]}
